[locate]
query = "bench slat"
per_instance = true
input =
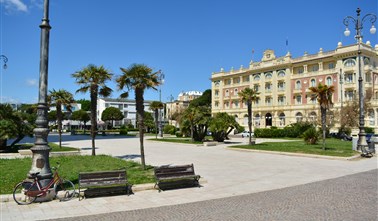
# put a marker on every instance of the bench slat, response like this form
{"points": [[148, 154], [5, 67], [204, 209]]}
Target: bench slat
{"points": [[175, 173]]}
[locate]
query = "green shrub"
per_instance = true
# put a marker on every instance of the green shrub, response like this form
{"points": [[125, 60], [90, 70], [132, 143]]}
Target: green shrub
{"points": [[169, 129], [123, 131], [311, 136], [369, 130], [178, 134]]}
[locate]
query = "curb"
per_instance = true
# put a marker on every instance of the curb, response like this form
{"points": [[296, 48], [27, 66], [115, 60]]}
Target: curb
{"points": [[5, 198], [355, 157]]}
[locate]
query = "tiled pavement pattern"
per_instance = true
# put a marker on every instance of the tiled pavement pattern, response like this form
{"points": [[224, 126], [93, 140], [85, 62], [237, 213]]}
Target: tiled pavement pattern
{"points": [[352, 197], [226, 173]]}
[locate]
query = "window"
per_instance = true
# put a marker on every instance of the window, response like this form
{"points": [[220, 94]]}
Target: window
{"points": [[257, 102], [329, 81], [314, 68], [313, 83], [298, 85], [282, 119], [236, 103], [281, 74], [331, 65], [227, 93], [246, 79], [368, 77], [350, 63], [227, 82], [268, 87], [312, 116], [257, 120], [313, 99], [216, 83], [256, 78], [371, 117], [299, 117], [298, 99], [216, 104], [281, 100], [348, 78], [300, 70], [256, 87], [236, 91], [216, 92], [268, 101], [281, 86], [236, 80], [349, 95], [227, 104], [268, 75]]}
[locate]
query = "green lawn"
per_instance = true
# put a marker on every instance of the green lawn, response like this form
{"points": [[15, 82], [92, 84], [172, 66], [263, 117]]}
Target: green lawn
{"points": [[54, 147], [334, 147], [15, 170]]}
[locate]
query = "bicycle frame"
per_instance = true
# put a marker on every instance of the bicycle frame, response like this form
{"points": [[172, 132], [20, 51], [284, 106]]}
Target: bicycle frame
{"points": [[42, 191]]}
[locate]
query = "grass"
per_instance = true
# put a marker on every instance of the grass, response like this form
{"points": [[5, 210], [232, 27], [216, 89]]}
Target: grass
{"points": [[54, 147], [334, 147], [15, 170], [185, 140]]}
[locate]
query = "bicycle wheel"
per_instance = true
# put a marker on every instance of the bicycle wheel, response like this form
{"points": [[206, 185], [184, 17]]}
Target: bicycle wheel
{"points": [[64, 190], [19, 194]]}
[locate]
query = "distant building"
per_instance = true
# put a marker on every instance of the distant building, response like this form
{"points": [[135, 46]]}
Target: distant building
{"points": [[182, 102], [283, 85], [126, 106]]}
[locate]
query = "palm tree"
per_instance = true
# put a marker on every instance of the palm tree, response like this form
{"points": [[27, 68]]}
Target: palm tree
{"points": [[156, 106], [58, 99], [93, 78], [323, 93], [138, 77], [249, 95]]}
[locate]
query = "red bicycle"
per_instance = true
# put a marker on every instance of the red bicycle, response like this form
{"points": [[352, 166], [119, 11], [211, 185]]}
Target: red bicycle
{"points": [[28, 191]]}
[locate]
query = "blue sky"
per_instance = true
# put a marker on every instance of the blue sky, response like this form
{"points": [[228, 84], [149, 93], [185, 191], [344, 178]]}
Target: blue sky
{"points": [[186, 39]]}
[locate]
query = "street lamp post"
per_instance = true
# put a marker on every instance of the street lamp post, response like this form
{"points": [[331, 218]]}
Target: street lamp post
{"points": [[362, 144], [161, 80], [5, 60], [40, 149]]}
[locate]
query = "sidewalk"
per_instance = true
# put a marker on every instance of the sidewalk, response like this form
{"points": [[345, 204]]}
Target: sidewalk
{"points": [[226, 173]]}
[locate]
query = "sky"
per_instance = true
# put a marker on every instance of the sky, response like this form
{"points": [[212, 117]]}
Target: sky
{"points": [[186, 39]]}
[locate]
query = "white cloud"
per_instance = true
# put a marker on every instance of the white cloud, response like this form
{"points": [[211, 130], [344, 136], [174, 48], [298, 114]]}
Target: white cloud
{"points": [[14, 5], [31, 82]]}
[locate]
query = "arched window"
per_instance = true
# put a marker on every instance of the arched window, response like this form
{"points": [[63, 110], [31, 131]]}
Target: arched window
{"points": [[298, 85], [227, 93], [312, 116], [257, 120], [256, 78], [299, 117], [329, 81], [268, 75], [350, 63], [245, 119], [371, 117], [313, 83], [268, 119], [282, 119], [281, 74]]}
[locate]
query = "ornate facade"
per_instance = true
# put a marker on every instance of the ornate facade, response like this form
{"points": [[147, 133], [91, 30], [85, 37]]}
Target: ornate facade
{"points": [[283, 84]]}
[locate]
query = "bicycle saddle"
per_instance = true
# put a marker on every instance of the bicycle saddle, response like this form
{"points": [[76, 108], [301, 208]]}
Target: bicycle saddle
{"points": [[34, 174]]}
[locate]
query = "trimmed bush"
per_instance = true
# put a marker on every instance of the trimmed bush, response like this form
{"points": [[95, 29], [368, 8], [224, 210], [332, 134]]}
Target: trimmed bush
{"points": [[178, 134], [311, 136], [169, 129]]}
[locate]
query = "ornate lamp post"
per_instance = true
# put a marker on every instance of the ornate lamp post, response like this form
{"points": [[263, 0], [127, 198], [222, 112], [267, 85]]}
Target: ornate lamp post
{"points": [[362, 144], [5, 60], [41, 150], [161, 80]]}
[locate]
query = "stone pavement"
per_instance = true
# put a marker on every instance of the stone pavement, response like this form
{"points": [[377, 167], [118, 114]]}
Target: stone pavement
{"points": [[227, 173]]}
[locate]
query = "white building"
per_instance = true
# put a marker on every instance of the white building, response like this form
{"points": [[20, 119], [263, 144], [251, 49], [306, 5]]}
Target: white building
{"points": [[126, 106]]}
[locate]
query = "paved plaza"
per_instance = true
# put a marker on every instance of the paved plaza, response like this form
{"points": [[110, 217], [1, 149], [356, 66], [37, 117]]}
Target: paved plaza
{"points": [[254, 177]]}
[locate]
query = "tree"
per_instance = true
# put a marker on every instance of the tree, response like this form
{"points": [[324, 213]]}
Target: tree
{"points": [[249, 95], [323, 94], [138, 77], [92, 79], [58, 99], [13, 125], [82, 116], [156, 106], [111, 114], [196, 120], [85, 104], [148, 121], [221, 125], [203, 100]]}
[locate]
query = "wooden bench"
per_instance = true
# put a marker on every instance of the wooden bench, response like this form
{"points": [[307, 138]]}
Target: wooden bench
{"points": [[170, 176], [104, 182]]}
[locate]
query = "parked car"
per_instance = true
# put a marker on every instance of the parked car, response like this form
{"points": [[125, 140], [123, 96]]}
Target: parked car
{"points": [[246, 134]]}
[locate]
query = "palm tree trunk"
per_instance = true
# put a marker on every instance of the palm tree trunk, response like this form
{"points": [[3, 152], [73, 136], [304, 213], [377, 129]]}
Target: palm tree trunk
{"points": [[140, 111], [249, 106], [324, 116], [94, 93], [59, 116]]}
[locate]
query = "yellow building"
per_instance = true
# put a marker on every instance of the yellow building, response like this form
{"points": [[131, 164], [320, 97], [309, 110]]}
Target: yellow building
{"points": [[283, 84]]}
